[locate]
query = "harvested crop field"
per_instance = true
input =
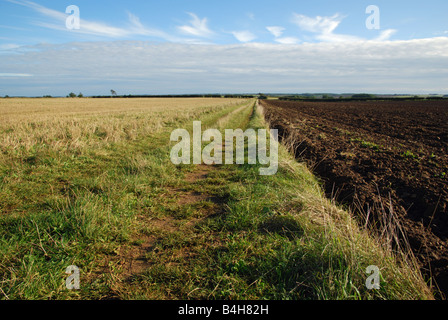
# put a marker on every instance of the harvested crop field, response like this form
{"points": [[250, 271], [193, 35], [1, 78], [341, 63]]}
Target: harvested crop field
{"points": [[387, 160]]}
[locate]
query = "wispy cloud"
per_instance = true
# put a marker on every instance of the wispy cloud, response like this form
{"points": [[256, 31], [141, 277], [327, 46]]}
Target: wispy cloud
{"points": [[320, 25], [138, 28], [197, 27], [8, 46], [251, 16], [195, 31], [8, 75], [14, 28], [56, 21], [276, 31], [244, 36], [385, 35], [324, 29], [287, 40]]}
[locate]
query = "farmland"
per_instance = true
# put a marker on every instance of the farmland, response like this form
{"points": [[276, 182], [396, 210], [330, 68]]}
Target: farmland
{"points": [[386, 160], [89, 183]]}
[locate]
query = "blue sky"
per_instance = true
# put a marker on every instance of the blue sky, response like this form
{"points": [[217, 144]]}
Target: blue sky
{"points": [[197, 46]]}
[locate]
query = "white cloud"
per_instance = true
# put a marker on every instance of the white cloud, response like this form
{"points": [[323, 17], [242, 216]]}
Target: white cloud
{"points": [[14, 28], [321, 25], [244, 36], [333, 37], [413, 66], [198, 27], [276, 31], [8, 46], [385, 35], [102, 29], [3, 75], [324, 29], [57, 22], [287, 40], [137, 26]]}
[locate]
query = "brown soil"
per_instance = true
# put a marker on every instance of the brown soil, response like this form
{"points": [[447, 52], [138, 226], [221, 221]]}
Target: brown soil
{"points": [[382, 158], [133, 259]]}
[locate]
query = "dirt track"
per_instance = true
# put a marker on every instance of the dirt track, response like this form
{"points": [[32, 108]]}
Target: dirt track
{"points": [[380, 158]]}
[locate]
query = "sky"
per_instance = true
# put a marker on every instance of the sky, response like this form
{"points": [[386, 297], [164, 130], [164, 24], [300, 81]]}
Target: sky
{"points": [[53, 48]]}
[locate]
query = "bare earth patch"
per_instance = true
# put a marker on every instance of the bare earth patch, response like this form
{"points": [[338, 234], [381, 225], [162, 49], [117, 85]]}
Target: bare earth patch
{"points": [[134, 260]]}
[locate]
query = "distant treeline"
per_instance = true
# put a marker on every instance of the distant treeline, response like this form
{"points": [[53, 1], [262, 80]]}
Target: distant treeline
{"points": [[180, 96], [360, 97]]}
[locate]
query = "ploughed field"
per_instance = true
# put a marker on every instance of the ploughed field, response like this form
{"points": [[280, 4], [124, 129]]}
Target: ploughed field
{"points": [[387, 160]]}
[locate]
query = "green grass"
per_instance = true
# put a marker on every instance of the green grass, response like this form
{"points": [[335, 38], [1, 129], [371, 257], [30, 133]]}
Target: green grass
{"points": [[367, 144], [409, 155], [60, 209], [277, 239], [370, 145], [248, 237]]}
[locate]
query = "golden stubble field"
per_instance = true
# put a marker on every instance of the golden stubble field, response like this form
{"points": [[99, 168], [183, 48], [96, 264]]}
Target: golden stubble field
{"points": [[62, 123]]}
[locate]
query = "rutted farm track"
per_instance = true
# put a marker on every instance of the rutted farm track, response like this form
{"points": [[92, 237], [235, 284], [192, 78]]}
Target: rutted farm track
{"points": [[386, 160]]}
